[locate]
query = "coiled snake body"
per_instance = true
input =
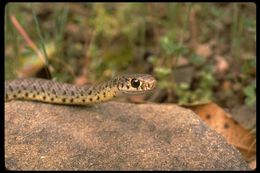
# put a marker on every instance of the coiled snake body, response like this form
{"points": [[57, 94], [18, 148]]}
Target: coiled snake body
{"points": [[62, 93]]}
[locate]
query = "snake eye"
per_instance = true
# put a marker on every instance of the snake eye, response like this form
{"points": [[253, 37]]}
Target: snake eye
{"points": [[135, 83]]}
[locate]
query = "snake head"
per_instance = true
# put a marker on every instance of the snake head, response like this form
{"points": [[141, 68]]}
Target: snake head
{"points": [[136, 83]]}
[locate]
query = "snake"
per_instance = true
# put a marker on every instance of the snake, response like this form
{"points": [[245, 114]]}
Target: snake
{"points": [[49, 91]]}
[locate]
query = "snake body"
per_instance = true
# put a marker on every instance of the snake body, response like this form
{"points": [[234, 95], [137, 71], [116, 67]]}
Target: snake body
{"points": [[62, 93]]}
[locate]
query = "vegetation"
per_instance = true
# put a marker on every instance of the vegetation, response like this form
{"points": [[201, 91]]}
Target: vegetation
{"points": [[198, 51]]}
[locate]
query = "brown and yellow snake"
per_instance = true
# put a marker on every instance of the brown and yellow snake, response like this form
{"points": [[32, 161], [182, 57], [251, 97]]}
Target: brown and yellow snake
{"points": [[62, 93]]}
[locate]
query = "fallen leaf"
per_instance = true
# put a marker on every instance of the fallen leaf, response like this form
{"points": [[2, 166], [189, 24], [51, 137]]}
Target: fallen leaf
{"points": [[226, 85], [81, 80], [222, 122], [252, 164], [221, 64], [204, 50], [182, 61]]}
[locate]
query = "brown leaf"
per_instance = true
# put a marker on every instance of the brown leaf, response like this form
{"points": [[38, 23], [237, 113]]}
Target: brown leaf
{"points": [[226, 85], [252, 164], [221, 64], [182, 61], [81, 80], [204, 50], [222, 122]]}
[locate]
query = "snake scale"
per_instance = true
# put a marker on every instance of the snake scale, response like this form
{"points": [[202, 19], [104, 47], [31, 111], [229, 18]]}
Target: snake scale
{"points": [[62, 93]]}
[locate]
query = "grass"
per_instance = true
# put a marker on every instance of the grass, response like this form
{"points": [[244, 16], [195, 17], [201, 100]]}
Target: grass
{"points": [[97, 41]]}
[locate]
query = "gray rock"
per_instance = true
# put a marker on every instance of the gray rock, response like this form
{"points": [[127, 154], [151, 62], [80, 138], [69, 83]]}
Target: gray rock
{"points": [[113, 136]]}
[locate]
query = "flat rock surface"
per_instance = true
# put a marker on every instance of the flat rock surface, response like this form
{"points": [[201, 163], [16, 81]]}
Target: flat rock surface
{"points": [[112, 136]]}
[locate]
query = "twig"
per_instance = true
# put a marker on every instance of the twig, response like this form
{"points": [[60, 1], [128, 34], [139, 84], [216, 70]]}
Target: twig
{"points": [[27, 39]]}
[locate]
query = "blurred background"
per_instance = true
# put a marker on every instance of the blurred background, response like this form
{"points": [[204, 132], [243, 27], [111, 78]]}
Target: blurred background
{"points": [[202, 54]]}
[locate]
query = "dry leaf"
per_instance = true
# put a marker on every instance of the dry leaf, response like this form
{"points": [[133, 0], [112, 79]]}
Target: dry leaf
{"points": [[221, 64], [182, 61], [222, 122], [226, 85], [81, 80], [252, 164], [204, 50]]}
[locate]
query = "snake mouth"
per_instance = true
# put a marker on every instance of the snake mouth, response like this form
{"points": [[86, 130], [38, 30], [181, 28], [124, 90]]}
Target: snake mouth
{"points": [[132, 93], [153, 85]]}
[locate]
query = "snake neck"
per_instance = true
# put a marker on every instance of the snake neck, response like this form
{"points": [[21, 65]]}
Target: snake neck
{"points": [[103, 92]]}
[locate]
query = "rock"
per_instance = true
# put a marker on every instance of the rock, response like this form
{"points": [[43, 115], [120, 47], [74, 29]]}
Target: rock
{"points": [[112, 136]]}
